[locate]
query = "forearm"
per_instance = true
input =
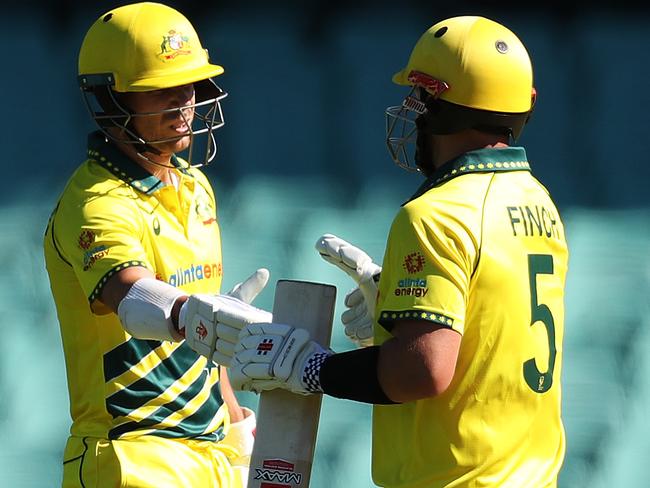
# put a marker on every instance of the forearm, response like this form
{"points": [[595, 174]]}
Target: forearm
{"points": [[413, 379]]}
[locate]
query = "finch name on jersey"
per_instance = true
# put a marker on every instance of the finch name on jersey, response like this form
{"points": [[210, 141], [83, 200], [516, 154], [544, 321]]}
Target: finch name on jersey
{"points": [[533, 221]]}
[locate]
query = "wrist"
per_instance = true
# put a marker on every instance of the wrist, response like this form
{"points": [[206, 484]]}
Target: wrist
{"points": [[353, 375], [311, 372], [178, 315]]}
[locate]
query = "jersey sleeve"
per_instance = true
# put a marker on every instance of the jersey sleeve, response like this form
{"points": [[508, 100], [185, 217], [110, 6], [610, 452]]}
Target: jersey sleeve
{"points": [[430, 256], [99, 237]]}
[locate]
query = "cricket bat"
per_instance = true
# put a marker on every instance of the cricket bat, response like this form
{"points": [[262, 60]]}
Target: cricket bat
{"points": [[287, 423]]}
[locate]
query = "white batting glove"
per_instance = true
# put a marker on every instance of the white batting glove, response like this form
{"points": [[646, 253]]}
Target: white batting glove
{"points": [[251, 287], [241, 437], [212, 323], [270, 356], [359, 317]]}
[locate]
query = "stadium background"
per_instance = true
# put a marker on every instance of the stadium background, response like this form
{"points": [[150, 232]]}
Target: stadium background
{"points": [[302, 153]]}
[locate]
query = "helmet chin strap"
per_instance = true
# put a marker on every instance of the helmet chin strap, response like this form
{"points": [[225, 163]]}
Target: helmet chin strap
{"points": [[424, 150], [133, 140]]}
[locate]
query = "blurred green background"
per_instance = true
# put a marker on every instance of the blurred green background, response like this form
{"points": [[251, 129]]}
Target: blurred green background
{"points": [[302, 154]]}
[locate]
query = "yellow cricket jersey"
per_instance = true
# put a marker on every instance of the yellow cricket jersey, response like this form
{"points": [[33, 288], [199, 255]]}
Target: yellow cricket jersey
{"points": [[480, 248], [113, 215]]}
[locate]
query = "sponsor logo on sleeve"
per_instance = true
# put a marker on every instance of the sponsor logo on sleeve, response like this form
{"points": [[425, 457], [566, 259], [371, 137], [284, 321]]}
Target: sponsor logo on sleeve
{"points": [[416, 287], [413, 263], [86, 239], [91, 254]]}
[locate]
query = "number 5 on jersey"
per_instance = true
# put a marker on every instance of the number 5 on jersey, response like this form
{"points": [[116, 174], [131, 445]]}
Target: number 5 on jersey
{"points": [[539, 312]]}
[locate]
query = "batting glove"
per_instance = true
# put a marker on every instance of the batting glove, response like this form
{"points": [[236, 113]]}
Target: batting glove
{"points": [[359, 317], [211, 323], [248, 290], [270, 356]]}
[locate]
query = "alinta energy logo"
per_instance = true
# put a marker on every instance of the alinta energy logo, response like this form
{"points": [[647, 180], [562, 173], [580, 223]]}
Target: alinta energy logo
{"points": [[411, 286], [195, 272], [413, 262], [91, 254]]}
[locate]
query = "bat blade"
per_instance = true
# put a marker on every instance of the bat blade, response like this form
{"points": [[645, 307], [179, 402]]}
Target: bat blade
{"points": [[287, 423]]}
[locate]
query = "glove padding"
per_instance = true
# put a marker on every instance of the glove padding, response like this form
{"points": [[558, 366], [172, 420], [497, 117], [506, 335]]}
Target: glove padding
{"points": [[358, 319], [270, 356], [212, 322], [251, 287], [354, 261], [241, 437]]}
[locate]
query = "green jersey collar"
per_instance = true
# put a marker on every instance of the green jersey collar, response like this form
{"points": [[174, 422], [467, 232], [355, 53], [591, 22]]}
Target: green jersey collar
{"points": [[486, 160], [110, 157]]}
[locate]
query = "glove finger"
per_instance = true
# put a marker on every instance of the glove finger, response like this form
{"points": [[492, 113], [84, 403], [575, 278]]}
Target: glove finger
{"points": [[354, 298], [251, 287], [222, 359], [369, 290], [263, 328], [225, 349], [322, 244], [238, 314], [354, 315], [341, 253], [259, 344], [336, 261], [240, 379], [227, 333], [256, 371], [360, 335], [257, 354], [357, 323]]}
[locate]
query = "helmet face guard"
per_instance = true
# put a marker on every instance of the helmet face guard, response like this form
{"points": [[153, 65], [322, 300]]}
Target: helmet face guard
{"points": [[202, 118], [405, 122], [422, 114], [402, 130]]}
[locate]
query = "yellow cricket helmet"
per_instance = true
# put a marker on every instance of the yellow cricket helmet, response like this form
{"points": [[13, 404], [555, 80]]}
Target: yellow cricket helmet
{"points": [[484, 65], [144, 47], [467, 72]]}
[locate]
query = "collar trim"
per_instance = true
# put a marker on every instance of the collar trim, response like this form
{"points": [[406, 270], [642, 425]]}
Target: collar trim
{"points": [[480, 161], [114, 160]]}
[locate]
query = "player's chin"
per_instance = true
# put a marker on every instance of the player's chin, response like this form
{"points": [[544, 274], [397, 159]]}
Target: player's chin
{"points": [[176, 145]]}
